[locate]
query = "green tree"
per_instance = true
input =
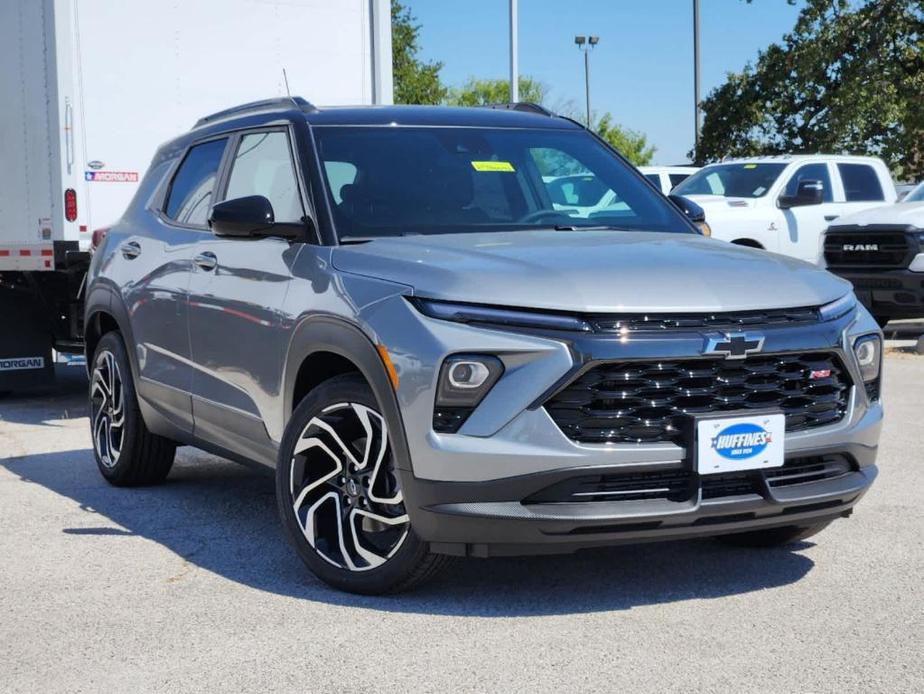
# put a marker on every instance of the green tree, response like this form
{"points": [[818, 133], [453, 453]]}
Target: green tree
{"points": [[416, 81], [476, 92], [631, 144], [848, 78]]}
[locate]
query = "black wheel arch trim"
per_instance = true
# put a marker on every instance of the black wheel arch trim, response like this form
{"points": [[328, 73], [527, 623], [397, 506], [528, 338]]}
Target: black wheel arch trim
{"points": [[324, 333]]}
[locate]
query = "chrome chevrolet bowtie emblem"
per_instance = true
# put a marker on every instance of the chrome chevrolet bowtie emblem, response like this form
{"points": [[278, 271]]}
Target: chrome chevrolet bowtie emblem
{"points": [[734, 345]]}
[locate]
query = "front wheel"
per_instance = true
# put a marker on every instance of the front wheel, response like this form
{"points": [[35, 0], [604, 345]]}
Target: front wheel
{"points": [[127, 454], [340, 497]]}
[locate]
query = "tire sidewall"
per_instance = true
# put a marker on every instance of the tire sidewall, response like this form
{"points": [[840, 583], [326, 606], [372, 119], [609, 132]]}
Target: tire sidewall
{"points": [[412, 551]]}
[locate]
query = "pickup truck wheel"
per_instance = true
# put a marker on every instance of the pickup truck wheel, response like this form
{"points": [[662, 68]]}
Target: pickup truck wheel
{"points": [[773, 537], [127, 454], [340, 498]]}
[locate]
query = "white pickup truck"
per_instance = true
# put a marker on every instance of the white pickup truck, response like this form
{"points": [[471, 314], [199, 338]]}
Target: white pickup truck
{"points": [[784, 203], [881, 250]]}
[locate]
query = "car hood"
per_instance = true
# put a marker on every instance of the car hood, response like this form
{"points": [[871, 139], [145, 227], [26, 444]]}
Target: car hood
{"points": [[592, 271], [903, 213]]}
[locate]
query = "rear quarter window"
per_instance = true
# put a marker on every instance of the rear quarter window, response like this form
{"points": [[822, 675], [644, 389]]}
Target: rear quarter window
{"points": [[861, 184], [190, 196]]}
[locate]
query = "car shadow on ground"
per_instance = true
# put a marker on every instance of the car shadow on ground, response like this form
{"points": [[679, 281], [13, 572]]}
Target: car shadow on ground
{"points": [[221, 517]]}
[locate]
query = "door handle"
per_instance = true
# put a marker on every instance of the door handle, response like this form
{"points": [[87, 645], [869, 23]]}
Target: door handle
{"points": [[130, 250], [206, 260], [830, 217]]}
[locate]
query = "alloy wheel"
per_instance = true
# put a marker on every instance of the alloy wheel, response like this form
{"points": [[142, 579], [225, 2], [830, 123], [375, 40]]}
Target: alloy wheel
{"points": [[107, 405], [343, 488]]}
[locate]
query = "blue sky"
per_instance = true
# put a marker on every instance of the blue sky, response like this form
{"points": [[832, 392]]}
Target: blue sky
{"points": [[642, 70]]}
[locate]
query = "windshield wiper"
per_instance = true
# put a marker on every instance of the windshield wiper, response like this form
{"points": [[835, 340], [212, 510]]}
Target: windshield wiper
{"points": [[589, 227]]}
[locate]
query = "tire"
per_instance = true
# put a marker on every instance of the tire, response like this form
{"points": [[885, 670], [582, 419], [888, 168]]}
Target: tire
{"points": [[339, 498], [127, 454], [773, 537]]}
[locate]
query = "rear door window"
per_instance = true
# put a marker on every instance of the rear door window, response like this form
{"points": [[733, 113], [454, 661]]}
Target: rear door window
{"points": [[263, 166], [861, 184], [677, 179], [655, 179], [190, 196]]}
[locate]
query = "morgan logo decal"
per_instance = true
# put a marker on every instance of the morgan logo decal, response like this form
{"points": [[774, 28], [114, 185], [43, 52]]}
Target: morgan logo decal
{"points": [[21, 363], [741, 441], [861, 246]]}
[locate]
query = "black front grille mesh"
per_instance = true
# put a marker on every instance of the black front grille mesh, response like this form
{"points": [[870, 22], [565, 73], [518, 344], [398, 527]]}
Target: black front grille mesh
{"points": [[728, 321], [653, 401], [870, 248]]}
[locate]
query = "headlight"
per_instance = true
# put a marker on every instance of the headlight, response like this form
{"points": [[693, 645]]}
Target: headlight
{"points": [[868, 351], [464, 381], [841, 307]]}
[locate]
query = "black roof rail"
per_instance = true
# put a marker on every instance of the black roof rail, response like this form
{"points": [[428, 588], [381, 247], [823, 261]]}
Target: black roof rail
{"points": [[522, 106], [278, 102]]}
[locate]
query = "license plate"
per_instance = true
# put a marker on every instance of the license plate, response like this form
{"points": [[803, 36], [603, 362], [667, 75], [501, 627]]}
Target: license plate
{"points": [[730, 444]]}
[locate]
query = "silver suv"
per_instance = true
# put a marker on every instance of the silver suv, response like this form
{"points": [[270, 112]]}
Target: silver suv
{"points": [[408, 315]]}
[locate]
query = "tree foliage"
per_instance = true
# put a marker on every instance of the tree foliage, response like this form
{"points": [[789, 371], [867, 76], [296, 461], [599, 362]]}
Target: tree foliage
{"points": [[478, 92], [416, 81], [631, 144], [848, 78]]}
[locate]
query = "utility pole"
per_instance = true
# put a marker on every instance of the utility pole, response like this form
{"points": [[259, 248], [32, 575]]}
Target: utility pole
{"points": [[696, 111], [514, 70], [586, 44]]}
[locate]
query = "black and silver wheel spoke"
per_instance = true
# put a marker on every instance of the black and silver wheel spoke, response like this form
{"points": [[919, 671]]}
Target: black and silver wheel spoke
{"points": [[108, 409], [344, 490]]}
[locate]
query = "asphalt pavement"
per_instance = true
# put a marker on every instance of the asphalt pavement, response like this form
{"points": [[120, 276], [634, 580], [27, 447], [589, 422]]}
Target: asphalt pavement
{"points": [[191, 587]]}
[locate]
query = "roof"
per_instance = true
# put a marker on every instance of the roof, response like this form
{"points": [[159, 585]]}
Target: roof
{"points": [[792, 158], [437, 115]]}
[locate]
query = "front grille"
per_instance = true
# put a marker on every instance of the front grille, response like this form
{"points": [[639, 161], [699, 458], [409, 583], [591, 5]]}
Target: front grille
{"points": [[648, 402], [681, 485], [681, 321], [886, 249]]}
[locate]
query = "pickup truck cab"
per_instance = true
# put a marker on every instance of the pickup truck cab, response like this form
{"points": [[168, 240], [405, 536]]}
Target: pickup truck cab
{"points": [[666, 178], [784, 203], [881, 251]]}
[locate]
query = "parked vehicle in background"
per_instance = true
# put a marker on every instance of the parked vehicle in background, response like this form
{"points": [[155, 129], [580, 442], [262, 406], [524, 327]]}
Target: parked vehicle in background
{"points": [[784, 203], [88, 90], [905, 189], [386, 305], [881, 251], [666, 178]]}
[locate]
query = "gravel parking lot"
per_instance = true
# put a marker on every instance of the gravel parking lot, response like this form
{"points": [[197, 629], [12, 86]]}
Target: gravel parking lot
{"points": [[191, 587]]}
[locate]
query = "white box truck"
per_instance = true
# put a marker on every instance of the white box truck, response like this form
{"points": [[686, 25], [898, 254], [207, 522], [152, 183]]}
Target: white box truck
{"points": [[90, 88]]}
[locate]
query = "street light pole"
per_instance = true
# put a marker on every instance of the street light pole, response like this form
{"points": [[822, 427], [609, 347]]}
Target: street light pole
{"points": [[514, 69], [696, 110], [586, 44]]}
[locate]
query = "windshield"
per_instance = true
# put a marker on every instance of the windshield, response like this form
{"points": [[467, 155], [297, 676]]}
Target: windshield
{"points": [[916, 194], [732, 180], [392, 181]]}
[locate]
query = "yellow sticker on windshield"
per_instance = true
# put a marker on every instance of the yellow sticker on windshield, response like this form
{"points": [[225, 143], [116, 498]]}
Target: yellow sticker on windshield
{"points": [[750, 166], [493, 166]]}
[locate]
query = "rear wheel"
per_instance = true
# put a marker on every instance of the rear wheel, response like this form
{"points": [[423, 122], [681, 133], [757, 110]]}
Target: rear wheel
{"points": [[340, 497], [773, 537], [127, 454]]}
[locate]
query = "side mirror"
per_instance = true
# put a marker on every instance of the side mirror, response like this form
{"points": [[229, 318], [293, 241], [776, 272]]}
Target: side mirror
{"points": [[242, 217], [694, 212], [809, 192]]}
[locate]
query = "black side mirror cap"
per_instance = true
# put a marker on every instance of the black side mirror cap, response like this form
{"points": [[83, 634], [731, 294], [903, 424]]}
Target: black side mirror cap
{"points": [[694, 212], [809, 192], [247, 217]]}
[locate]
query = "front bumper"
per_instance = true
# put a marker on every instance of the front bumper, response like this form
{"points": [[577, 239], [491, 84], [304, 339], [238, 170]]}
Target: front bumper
{"points": [[480, 520], [465, 492], [890, 293]]}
